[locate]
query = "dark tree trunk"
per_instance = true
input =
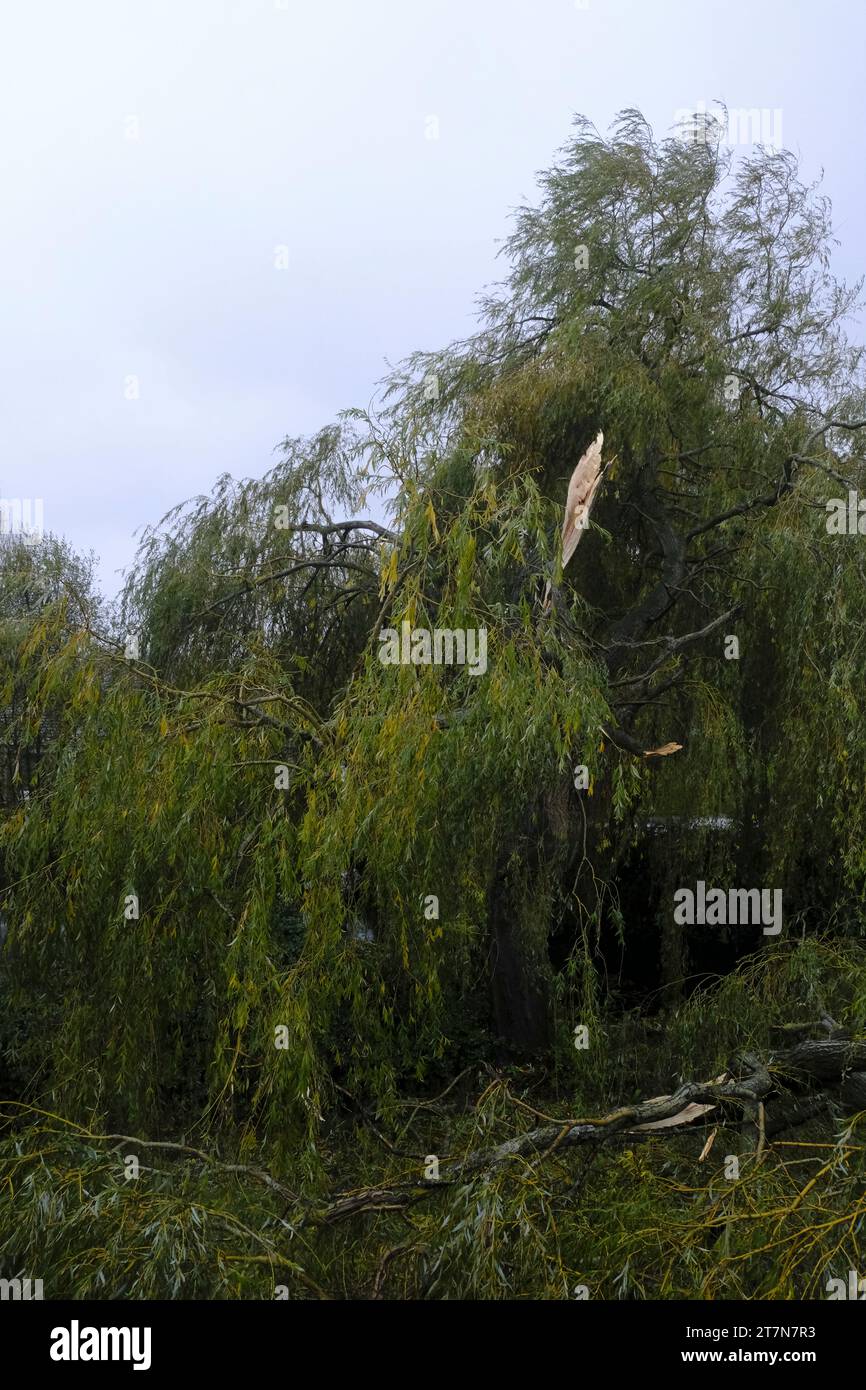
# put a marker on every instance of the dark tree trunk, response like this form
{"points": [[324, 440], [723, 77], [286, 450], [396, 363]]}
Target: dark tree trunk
{"points": [[520, 974]]}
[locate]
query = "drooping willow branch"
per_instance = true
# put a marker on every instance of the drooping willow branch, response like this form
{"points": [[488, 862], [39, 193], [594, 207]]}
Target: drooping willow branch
{"points": [[817, 1067]]}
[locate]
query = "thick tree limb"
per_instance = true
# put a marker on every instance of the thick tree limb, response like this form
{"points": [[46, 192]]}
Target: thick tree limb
{"points": [[638, 619], [359, 525], [831, 1062], [836, 1064]]}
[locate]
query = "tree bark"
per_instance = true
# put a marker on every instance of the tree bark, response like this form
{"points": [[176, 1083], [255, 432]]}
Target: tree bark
{"points": [[520, 1005]]}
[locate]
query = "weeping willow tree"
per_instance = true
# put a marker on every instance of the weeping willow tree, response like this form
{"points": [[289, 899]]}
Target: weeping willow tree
{"points": [[266, 872]]}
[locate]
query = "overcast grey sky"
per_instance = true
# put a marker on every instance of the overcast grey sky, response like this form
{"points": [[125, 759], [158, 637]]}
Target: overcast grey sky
{"points": [[155, 154]]}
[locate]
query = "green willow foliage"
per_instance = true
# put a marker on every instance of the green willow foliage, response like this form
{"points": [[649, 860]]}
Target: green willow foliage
{"points": [[295, 914], [196, 830], [643, 1220]]}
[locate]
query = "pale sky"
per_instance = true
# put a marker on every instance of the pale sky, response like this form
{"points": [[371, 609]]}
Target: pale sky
{"points": [[153, 156]]}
